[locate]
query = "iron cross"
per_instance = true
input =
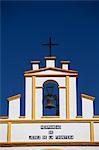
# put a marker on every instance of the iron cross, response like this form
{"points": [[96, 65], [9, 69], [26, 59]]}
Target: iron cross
{"points": [[50, 44]]}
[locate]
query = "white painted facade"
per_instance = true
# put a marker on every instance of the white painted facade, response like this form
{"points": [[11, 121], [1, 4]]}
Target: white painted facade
{"points": [[52, 148], [3, 132], [76, 130], [65, 66], [28, 97], [82, 129], [14, 109], [42, 75], [50, 63], [96, 131], [73, 97], [35, 66], [62, 103], [60, 80], [87, 108], [38, 104]]}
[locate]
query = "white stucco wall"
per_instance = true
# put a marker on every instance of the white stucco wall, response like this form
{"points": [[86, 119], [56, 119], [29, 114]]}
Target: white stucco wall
{"points": [[21, 132], [14, 109], [35, 66], [28, 97], [73, 97], [96, 132], [50, 63], [40, 80], [52, 148], [87, 108], [62, 103], [77, 130], [3, 132], [65, 66], [38, 104]]}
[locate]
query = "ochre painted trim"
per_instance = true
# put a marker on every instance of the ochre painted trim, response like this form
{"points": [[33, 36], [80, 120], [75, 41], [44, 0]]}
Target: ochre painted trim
{"points": [[67, 98], [79, 116], [50, 58], [33, 97], [92, 132], [15, 144], [52, 121], [38, 87], [50, 117], [87, 97], [14, 97], [22, 116], [35, 62], [65, 62], [51, 68], [9, 132], [50, 75], [96, 116], [4, 117]]}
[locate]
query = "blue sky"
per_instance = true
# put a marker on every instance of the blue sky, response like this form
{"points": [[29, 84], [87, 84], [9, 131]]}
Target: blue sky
{"points": [[26, 25]]}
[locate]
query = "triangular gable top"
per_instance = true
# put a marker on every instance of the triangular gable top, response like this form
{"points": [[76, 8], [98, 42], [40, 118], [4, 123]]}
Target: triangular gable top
{"points": [[50, 69]]}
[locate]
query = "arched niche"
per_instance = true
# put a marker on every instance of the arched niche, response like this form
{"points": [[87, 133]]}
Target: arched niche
{"points": [[50, 100]]}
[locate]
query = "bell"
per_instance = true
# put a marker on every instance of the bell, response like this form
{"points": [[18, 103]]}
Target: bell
{"points": [[50, 102], [50, 98]]}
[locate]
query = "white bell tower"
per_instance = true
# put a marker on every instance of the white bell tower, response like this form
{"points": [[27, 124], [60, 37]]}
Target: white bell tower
{"points": [[66, 80]]}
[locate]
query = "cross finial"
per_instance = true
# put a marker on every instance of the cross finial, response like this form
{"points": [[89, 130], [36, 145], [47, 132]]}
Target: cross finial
{"points": [[50, 44]]}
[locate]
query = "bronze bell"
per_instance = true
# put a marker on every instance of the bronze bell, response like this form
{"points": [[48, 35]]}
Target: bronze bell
{"points": [[50, 98], [50, 102]]}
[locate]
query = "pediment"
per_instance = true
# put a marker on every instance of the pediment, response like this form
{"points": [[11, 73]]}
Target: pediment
{"points": [[50, 71]]}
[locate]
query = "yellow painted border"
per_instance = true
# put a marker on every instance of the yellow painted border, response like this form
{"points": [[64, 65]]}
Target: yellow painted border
{"points": [[9, 132], [52, 121], [87, 97], [51, 68], [33, 98], [14, 97], [96, 116], [67, 99], [92, 132], [79, 116], [4, 117], [50, 117], [19, 144], [50, 75], [22, 116]]}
